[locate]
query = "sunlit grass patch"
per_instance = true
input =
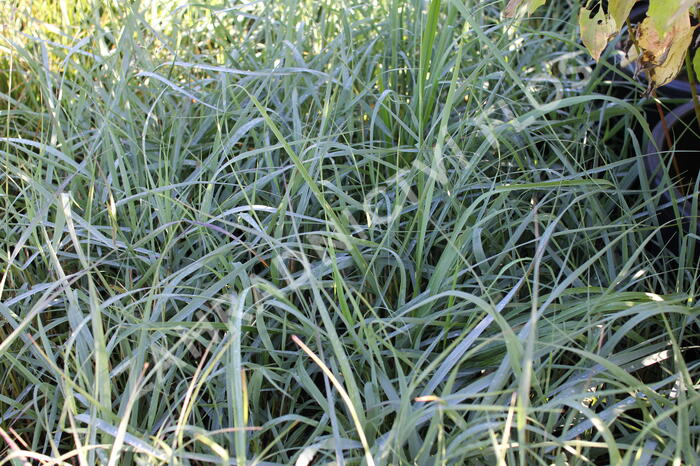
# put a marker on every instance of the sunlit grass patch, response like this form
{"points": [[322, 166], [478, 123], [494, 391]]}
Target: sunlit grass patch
{"points": [[454, 228]]}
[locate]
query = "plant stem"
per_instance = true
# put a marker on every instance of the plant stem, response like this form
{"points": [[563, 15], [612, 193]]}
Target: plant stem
{"points": [[667, 134], [659, 109], [693, 86]]}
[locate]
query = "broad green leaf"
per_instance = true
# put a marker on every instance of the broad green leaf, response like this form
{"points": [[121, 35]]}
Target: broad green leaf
{"points": [[696, 63], [664, 13], [597, 28], [519, 7], [620, 10], [663, 56]]}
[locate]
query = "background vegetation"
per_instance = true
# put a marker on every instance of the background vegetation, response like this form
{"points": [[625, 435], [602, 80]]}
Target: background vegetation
{"points": [[378, 232]]}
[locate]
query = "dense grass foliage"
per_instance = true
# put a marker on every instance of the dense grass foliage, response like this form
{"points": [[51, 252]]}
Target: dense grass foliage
{"points": [[282, 232]]}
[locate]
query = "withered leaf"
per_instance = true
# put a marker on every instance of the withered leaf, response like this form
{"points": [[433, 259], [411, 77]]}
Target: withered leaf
{"points": [[597, 28], [519, 7], [620, 10], [663, 56]]}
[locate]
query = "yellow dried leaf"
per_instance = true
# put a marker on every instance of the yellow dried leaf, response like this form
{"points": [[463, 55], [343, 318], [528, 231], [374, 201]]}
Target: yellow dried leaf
{"points": [[597, 28], [668, 71], [620, 10], [663, 56], [519, 7]]}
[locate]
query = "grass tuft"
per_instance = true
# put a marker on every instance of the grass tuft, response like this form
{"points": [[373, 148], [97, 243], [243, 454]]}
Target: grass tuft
{"points": [[299, 232]]}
